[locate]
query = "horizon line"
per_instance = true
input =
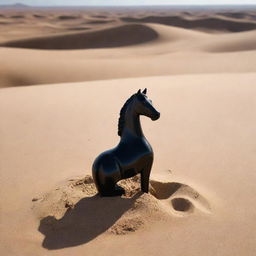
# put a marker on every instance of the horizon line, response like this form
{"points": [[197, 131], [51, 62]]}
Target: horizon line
{"points": [[132, 5]]}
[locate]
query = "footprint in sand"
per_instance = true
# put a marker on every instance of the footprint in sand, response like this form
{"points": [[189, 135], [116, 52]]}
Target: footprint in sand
{"points": [[182, 198]]}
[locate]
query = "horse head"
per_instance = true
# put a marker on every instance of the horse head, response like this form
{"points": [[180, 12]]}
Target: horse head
{"points": [[144, 106]]}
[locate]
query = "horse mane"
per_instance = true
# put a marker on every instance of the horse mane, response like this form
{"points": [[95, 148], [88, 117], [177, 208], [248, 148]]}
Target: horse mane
{"points": [[121, 120]]}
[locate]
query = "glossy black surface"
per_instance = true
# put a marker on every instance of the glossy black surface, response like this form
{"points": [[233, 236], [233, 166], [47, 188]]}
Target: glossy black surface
{"points": [[133, 154]]}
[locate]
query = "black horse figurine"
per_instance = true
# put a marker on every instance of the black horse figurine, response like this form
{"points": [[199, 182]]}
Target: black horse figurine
{"points": [[132, 155]]}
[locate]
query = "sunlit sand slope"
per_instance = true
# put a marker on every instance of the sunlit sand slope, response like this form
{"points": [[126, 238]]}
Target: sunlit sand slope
{"points": [[203, 178], [147, 50]]}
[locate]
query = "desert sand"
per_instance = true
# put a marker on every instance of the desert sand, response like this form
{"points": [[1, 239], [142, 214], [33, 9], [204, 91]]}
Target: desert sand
{"points": [[64, 76]]}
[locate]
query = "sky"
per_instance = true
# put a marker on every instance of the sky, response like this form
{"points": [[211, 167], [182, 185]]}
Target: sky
{"points": [[128, 2]]}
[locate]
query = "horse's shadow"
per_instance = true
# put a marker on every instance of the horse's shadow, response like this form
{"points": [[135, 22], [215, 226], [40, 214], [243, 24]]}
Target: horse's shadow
{"points": [[90, 217]]}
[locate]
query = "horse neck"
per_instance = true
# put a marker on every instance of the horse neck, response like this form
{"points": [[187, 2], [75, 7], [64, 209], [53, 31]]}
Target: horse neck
{"points": [[132, 123]]}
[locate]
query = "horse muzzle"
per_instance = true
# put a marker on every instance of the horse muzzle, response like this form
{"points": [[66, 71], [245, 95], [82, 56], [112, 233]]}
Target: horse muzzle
{"points": [[156, 116]]}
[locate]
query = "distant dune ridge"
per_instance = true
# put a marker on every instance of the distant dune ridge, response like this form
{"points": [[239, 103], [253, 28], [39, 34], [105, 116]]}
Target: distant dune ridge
{"points": [[124, 50], [125, 35], [211, 23], [238, 15], [65, 73]]}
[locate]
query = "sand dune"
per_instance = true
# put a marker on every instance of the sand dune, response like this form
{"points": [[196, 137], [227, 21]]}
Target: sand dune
{"points": [[185, 52], [210, 23], [113, 37], [238, 42], [35, 21], [238, 15]]}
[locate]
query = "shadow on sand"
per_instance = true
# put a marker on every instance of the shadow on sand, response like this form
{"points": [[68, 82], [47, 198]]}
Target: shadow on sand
{"points": [[90, 217]]}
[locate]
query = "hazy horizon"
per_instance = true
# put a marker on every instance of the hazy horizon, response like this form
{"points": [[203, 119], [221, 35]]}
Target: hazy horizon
{"points": [[128, 3]]}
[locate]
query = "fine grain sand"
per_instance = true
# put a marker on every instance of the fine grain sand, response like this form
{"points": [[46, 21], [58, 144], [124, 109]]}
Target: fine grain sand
{"points": [[64, 76]]}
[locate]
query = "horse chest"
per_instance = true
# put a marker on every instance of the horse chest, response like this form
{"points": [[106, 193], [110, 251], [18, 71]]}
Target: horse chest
{"points": [[132, 155]]}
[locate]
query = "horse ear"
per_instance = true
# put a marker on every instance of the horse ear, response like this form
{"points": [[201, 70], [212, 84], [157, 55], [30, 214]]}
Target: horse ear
{"points": [[145, 91], [139, 92]]}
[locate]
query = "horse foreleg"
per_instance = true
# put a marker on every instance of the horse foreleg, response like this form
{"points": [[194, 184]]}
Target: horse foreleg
{"points": [[108, 174], [145, 174]]}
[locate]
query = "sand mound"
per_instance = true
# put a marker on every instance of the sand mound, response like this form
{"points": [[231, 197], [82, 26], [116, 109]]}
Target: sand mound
{"points": [[75, 208], [209, 23], [124, 35]]}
